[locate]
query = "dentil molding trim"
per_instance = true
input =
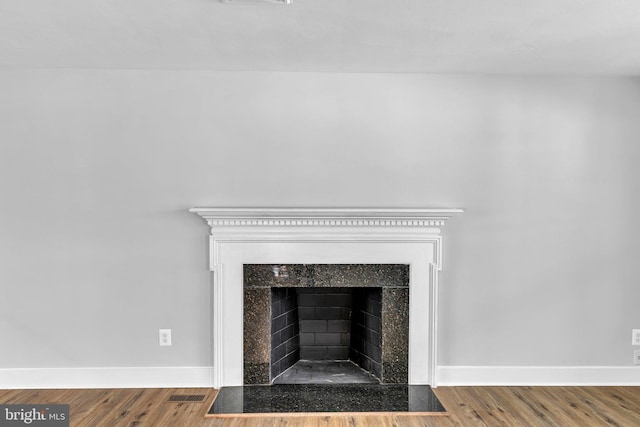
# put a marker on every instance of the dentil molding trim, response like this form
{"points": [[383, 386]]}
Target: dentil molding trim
{"points": [[324, 217]]}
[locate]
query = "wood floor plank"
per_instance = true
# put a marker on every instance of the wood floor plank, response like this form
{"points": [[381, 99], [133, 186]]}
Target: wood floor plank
{"points": [[629, 407], [459, 405], [558, 411], [493, 406], [603, 408], [467, 407]]}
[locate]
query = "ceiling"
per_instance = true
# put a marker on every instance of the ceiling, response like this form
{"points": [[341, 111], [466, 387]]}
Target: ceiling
{"points": [[584, 37]]}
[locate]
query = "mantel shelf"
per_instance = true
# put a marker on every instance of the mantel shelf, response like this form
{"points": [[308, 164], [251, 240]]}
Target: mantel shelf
{"points": [[325, 217]]}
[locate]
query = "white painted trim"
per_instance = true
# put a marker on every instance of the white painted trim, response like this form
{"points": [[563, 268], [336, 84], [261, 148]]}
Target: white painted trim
{"points": [[277, 233], [538, 375], [324, 217], [172, 377], [141, 377]]}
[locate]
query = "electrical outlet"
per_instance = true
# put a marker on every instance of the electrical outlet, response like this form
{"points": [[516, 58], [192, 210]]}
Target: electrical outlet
{"points": [[636, 357], [164, 336], [635, 337]]}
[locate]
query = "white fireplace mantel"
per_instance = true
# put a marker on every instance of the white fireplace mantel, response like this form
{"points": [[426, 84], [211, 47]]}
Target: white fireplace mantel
{"points": [[323, 236]]}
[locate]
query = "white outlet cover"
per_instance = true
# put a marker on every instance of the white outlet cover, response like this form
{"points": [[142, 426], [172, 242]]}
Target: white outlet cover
{"points": [[635, 337], [636, 357], [164, 337]]}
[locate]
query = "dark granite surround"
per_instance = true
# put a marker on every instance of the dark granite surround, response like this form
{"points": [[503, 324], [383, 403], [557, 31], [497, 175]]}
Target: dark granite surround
{"points": [[357, 312], [309, 398], [327, 275], [257, 345]]}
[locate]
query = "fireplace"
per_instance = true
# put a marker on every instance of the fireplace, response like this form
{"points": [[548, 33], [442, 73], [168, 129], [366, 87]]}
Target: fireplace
{"points": [[320, 237], [357, 315]]}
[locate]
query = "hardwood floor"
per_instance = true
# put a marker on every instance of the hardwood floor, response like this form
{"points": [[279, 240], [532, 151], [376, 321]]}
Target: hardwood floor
{"points": [[467, 406]]}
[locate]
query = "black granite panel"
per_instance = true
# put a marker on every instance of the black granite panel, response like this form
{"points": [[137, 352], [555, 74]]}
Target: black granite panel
{"points": [[291, 398], [262, 276], [395, 335], [360, 275], [326, 275], [256, 373], [257, 330]]}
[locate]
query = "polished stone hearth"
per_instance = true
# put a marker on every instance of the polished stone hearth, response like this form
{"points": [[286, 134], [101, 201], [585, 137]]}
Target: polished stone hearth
{"points": [[315, 398]]}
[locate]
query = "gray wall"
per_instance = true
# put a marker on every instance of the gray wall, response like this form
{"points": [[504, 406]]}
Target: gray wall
{"points": [[99, 167]]}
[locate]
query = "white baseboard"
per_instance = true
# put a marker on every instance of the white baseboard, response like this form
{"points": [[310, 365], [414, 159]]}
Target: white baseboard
{"points": [[161, 377], [537, 375], [177, 377]]}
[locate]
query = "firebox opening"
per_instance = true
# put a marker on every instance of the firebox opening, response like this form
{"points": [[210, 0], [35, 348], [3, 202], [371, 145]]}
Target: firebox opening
{"points": [[317, 332], [337, 339]]}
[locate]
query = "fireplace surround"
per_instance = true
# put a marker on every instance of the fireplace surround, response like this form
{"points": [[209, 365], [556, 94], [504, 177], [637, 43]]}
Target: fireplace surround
{"points": [[326, 313], [280, 236]]}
